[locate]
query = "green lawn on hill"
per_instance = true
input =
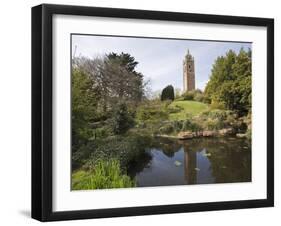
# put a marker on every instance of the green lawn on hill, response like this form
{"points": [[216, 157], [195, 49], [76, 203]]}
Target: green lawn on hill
{"points": [[189, 107]]}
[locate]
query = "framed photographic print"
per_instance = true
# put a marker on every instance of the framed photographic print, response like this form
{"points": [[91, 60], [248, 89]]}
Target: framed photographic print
{"points": [[145, 112]]}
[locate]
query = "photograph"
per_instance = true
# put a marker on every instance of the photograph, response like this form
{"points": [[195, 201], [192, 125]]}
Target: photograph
{"points": [[149, 111], [145, 112]]}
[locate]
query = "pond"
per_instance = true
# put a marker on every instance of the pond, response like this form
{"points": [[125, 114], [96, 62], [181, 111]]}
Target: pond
{"points": [[197, 161]]}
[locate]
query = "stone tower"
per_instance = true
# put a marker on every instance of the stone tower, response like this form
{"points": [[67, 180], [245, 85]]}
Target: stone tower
{"points": [[188, 73]]}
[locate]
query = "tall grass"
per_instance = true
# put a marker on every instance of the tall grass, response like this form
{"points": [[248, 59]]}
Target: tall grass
{"points": [[106, 174]]}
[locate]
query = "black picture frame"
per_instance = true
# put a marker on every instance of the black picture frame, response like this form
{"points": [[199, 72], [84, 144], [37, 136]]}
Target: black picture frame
{"points": [[42, 111]]}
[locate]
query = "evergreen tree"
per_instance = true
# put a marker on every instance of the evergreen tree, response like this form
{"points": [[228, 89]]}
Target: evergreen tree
{"points": [[168, 93], [122, 119]]}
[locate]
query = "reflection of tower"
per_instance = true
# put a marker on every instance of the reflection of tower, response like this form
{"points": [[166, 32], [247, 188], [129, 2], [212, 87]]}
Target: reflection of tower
{"points": [[190, 159], [188, 73]]}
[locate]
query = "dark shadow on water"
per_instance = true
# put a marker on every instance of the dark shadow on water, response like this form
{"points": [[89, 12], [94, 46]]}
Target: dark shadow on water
{"points": [[138, 166]]}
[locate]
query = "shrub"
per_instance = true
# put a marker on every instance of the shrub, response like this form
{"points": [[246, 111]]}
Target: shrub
{"points": [[206, 100], [166, 129], [152, 112], [188, 96], [175, 109], [239, 125], [78, 156], [214, 124], [217, 105], [125, 149], [196, 95], [219, 119], [216, 114], [178, 125], [189, 125], [102, 132], [199, 97], [168, 93], [106, 174]]}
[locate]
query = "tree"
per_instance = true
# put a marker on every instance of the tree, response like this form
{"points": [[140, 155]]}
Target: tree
{"points": [[124, 59], [130, 82], [84, 101], [122, 119], [168, 93], [230, 82], [116, 77]]}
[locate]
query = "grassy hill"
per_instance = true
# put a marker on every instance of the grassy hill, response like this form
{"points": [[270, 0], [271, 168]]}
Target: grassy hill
{"points": [[188, 107]]}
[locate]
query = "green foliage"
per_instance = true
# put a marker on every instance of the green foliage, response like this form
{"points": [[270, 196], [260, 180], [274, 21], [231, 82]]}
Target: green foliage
{"points": [[124, 59], [116, 78], [217, 105], [191, 125], [126, 149], [196, 95], [84, 102], [178, 125], [167, 118], [152, 112], [207, 120], [188, 96], [217, 119], [214, 124], [168, 93], [174, 127], [125, 80], [122, 119], [104, 90], [102, 132], [199, 97], [172, 109], [166, 129], [216, 114], [171, 127], [105, 174], [230, 82]]}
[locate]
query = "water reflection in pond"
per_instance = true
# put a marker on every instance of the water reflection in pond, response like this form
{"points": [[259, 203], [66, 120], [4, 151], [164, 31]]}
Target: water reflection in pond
{"points": [[197, 161]]}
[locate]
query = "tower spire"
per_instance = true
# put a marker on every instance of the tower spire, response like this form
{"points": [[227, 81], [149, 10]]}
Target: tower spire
{"points": [[188, 72], [188, 56]]}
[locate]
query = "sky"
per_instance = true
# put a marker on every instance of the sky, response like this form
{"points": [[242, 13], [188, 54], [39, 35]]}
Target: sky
{"points": [[160, 60]]}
